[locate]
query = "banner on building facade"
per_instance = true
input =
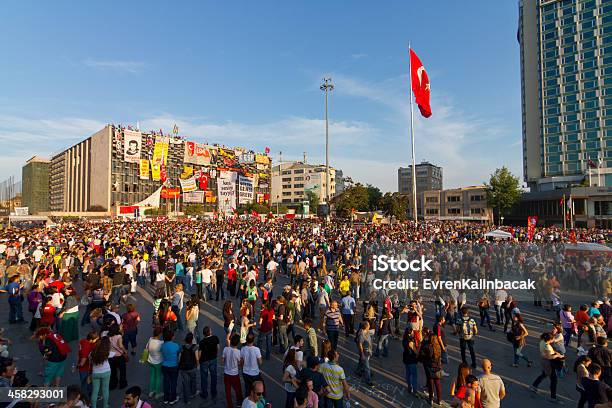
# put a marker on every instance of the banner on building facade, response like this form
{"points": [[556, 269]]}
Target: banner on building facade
{"points": [[144, 169], [131, 146], [260, 198], [246, 158], [160, 150], [245, 189], [167, 192], [197, 153], [194, 197], [226, 191], [187, 172], [262, 159], [155, 172], [188, 185], [210, 197]]}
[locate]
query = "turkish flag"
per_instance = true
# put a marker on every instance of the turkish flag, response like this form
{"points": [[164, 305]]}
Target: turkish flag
{"points": [[203, 179], [420, 84]]}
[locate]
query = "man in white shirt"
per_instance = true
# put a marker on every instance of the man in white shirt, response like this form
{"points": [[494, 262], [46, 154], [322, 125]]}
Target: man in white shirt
{"points": [[500, 297], [271, 269], [206, 281], [250, 360], [38, 254]]}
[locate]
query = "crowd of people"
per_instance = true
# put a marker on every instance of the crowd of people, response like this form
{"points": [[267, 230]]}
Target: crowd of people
{"points": [[290, 290]]}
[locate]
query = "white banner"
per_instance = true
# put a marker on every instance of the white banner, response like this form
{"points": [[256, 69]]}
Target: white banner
{"points": [[245, 190], [188, 184], [226, 191], [196, 153], [131, 146], [194, 197]]}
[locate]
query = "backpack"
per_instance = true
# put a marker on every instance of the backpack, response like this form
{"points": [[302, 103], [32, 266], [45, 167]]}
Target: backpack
{"points": [[62, 346], [187, 360], [466, 328]]}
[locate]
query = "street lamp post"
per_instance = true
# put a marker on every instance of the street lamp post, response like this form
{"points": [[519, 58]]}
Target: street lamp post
{"points": [[327, 87]]}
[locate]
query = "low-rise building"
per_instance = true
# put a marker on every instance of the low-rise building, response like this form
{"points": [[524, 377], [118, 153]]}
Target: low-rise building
{"points": [[465, 203], [291, 181]]}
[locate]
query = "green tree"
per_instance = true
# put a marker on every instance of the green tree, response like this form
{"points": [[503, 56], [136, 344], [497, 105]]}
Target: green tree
{"points": [[356, 197], [194, 209], [395, 205], [313, 201], [503, 191], [374, 196]]}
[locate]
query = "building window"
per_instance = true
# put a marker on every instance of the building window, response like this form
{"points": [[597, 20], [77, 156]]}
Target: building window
{"points": [[477, 198], [431, 211], [286, 193], [453, 199], [298, 186], [476, 211], [300, 171], [433, 200], [453, 211], [287, 179]]}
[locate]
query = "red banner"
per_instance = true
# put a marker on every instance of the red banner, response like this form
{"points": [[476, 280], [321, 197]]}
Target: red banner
{"points": [[532, 221], [170, 192], [127, 209]]}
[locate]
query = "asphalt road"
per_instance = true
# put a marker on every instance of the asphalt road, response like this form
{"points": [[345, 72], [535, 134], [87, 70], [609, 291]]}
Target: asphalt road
{"points": [[388, 373]]}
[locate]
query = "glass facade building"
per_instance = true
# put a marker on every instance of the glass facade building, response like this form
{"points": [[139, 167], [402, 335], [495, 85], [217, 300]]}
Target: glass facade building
{"points": [[566, 78]]}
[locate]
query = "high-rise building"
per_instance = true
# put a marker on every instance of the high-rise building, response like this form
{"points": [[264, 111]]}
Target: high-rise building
{"points": [[428, 177], [35, 185], [566, 83]]}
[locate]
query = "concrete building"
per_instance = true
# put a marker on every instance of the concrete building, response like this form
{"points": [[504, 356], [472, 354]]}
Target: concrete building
{"points": [[592, 207], [35, 185], [340, 183], [466, 203], [290, 181], [96, 175], [566, 83], [428, 177]]}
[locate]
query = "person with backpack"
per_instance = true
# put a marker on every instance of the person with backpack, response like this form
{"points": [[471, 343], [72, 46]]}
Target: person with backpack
{"points": [[187, 366], [517, 335], [54, 349], [468, 329]]}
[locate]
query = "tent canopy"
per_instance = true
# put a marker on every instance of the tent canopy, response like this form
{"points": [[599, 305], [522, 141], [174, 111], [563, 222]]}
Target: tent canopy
{"points": [[498, 234], [586, 247]]}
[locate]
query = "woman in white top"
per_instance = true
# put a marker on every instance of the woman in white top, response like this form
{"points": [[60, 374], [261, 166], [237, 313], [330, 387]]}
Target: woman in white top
{"points": [[101, 371], [155, 362], [290, 381]]}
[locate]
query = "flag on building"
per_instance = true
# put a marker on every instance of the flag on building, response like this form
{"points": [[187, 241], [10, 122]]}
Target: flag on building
{"points": [[420, 84]]}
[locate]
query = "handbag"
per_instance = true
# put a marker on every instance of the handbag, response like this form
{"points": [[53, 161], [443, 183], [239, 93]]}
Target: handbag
{"points": [[144, 357]]}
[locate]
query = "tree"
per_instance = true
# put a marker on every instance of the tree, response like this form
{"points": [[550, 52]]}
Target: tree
{"points": [[194, 209], [503, 191], [395, 205], [313, 201], [355, 197], [374, 196]]}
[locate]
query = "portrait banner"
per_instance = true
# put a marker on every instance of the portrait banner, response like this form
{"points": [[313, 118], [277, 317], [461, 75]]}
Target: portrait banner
{"points": [[131, 146]]}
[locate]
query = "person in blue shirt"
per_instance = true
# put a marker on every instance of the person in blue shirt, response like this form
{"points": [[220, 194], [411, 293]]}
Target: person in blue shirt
{"points": [[348, 313], [15, 299], [170, 356], [594, 310], [179, 270]]}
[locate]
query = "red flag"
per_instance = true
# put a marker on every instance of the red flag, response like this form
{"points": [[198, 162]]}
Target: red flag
{"points": [[592, 164], [267, 150], [203, 179], [163, 174], [254, 213], [562, 201], [420, 84]]}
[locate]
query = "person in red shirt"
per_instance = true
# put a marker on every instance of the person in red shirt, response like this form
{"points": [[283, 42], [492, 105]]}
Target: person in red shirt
{"points": [[86, 346], [468, 395], [129, 323], [47, 313], [582, 319], [266, 323]]}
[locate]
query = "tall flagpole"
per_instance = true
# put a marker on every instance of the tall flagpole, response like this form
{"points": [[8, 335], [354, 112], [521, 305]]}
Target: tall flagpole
{"points": [[414, 194], [564, 213]]}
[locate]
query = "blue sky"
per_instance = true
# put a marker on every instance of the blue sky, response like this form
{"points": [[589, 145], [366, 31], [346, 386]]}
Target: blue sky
{"points": [[248, 73]]}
